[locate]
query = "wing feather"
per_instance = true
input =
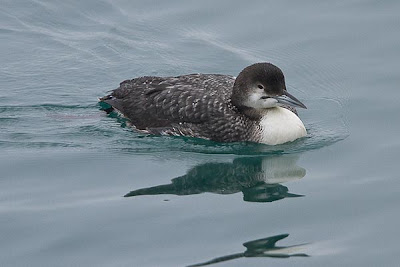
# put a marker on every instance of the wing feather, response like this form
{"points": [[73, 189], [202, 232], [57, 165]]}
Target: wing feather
{"points": [[153, 102]]}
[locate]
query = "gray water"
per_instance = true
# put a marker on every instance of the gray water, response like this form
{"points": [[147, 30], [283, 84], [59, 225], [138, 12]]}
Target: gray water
{"points": [[327, 200]]}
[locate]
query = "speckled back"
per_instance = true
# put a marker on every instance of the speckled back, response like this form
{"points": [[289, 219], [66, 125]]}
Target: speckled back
{"points": [[195, 105]]}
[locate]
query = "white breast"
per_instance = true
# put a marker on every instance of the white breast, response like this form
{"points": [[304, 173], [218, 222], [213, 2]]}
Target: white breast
{"points": [[279, 126]]}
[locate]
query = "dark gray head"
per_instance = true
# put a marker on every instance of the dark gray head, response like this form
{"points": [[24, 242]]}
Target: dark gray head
{"points": [[261, 86]]}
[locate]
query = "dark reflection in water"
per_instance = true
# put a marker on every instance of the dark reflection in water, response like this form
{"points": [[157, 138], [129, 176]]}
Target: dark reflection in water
{"points": [[265, 247], [258, 178]]}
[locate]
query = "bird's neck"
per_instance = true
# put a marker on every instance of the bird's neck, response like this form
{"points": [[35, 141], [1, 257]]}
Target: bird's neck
{"points": [[253, 113]]}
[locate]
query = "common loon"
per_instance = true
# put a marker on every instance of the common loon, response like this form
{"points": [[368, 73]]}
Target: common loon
{"points": [[253, 107]]}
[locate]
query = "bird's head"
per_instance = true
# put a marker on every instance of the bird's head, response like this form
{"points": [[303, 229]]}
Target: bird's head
{"points": [[262, 86]]}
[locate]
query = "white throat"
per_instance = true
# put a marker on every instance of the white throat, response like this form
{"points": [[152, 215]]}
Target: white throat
{"points": [[279, 125]]}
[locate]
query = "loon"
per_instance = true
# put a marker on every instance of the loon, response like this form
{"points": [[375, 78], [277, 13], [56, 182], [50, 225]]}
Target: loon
{"points": [[254, 107]]}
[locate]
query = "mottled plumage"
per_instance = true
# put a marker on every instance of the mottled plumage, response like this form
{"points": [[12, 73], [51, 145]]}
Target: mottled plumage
{"points": [[197, 105]]}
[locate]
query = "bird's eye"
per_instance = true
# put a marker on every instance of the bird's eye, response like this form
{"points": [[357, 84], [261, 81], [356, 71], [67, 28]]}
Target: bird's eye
{"points": [[260, 86]]}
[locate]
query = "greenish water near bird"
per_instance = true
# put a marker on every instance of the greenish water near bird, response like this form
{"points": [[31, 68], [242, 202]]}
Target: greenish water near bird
{"points": [[328, 199]]}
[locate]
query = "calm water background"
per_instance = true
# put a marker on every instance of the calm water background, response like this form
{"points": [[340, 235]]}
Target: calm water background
{"points": [[65, 165]]}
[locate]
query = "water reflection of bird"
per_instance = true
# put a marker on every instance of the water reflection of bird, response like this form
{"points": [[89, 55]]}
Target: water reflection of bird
{"points": [[265, 247], [258, 178]]}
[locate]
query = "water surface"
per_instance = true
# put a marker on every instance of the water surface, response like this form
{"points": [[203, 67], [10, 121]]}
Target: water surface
{"points": [[327, 200]]}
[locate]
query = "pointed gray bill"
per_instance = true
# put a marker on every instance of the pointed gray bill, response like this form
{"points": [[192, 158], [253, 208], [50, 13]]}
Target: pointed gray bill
{"points": [[293, 195], [288, 99]]}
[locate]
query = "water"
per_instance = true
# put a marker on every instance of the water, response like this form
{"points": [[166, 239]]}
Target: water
{"points": [[327, 200]]}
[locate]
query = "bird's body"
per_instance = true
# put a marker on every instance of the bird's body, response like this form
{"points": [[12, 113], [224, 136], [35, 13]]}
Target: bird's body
{"points": [[209, 106]]}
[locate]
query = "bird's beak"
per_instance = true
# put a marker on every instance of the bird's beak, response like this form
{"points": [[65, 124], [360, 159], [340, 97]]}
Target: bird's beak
{"points": [[288, 99]]}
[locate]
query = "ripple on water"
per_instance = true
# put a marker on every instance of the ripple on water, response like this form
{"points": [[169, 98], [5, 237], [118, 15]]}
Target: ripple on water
{"points": [[87, 127], [325, 127]]}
